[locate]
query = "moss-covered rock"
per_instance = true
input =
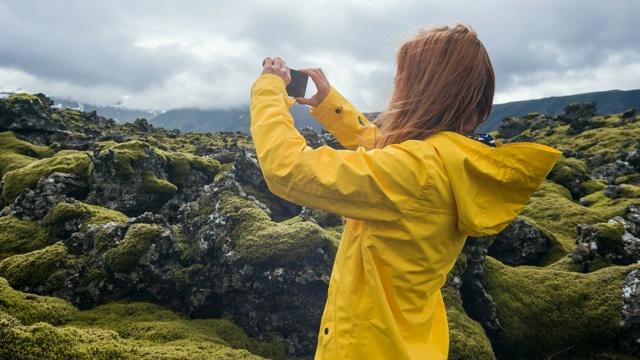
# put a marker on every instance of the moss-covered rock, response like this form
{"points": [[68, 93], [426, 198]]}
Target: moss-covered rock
{"points": [[552, 207], [30, 308], [27, 177], [547, 312], [570, 173], [152, 185], [135, 244], [81, 215], [120, 331], [33, 269], [263, 242], [20, 236], [148, 323], [16, 153]]}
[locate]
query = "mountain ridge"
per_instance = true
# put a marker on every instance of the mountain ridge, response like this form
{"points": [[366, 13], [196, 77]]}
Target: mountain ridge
{"points": [[237, 119]]}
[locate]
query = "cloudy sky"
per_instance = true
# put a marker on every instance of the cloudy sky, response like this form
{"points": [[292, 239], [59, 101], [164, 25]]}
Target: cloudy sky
{"points": [[165, 54]]}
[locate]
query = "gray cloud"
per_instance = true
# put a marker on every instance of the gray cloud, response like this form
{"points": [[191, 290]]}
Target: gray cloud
{"points": [[165, 54]]}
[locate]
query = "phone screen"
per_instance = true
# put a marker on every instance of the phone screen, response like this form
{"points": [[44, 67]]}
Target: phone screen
{"points": [[298, 85]]}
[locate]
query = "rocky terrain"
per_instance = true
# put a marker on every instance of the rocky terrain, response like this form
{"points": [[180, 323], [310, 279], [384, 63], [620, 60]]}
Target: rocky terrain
{"points": [[135, 242]]}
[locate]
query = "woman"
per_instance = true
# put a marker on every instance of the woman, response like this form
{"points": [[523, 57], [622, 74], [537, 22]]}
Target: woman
{"points": [[413, 190]]}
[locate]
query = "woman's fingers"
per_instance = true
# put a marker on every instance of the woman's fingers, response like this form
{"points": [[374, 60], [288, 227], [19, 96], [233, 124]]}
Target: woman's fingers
{"points": [[322, 86], [276, 66]]}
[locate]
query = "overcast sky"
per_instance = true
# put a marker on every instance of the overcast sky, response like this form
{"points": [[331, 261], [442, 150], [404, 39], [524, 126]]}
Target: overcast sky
{"points": [[165, 54]]}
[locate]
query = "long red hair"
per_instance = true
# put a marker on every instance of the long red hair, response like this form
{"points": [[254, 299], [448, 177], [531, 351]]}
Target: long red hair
{"points": [[445, 81]]}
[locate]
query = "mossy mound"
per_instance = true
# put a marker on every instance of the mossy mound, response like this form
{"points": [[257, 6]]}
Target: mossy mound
{"points": [[570, 173], [60, 214], [127, 155], [21, 236], [261, 241], [552, 207], [130, 331], [148, 323], [136, 243], [15, 153], [547, 312], [34, 268], [30, 309], [595, 141], [27, 177]]}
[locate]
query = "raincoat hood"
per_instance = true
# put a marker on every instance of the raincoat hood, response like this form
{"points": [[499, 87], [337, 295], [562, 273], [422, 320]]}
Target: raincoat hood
{"points": [[491, 185]]}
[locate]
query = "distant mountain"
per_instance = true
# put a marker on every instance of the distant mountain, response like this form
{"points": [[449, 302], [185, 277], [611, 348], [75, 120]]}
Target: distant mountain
{"points": [[211, 121], [608, 102], [194, 120]]}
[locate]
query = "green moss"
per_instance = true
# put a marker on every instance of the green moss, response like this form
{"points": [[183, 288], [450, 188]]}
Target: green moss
{"points": [[27, 177], [544, 312], [180, 167], [467, 339], [177, 164], [552, 208], [56, 218], [595, 141], [126, 155], [20, 236], [15, 153], [628, 179], [101, 215], [151, 324], [568, 170], [30, 309], [44, 341], [34, 268], [184, 278], [23, 96], [598, 200], [224, 168], [591, 186], [63, 212], [262, 241], [609, 237], [181, 163], [152, 185], [12, 161], [135, 244]]}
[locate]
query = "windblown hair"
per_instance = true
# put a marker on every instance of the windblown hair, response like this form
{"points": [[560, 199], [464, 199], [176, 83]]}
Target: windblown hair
{"points": [[444, 82]]}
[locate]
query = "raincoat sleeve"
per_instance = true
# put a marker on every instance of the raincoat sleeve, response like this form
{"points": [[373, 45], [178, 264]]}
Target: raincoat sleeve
{"points": [[359, 184], [348, 125]]}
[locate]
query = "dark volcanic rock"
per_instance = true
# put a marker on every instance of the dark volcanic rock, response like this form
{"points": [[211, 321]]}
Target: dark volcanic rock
{"points": [[580, 116], [520, 243], [129, 189], [613, 241], [510, 127], [630, 313], [476, 301], [239, 272], [25, 113]]}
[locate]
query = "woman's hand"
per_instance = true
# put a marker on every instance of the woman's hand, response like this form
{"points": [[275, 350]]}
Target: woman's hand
{"points": [[322, 85], [278, 67]]}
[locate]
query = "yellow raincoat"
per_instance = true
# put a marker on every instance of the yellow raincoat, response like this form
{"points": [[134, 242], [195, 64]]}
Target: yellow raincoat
{"points": [[410, 208]]}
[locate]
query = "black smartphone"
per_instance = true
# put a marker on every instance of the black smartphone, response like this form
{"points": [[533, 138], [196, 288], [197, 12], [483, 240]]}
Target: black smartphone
{"points": [[298, 85]]}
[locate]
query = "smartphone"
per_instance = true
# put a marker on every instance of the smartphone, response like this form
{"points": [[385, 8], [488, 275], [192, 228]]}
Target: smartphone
{"points": [[298, 85]]}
